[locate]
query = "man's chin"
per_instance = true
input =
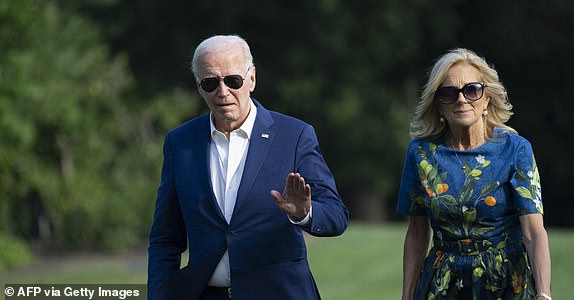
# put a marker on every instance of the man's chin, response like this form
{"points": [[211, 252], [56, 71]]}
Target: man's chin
{"points": [[225, 116]]}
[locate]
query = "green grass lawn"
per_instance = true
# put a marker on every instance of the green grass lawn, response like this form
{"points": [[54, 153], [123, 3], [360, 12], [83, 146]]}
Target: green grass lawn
{"points": [[364, 263]]}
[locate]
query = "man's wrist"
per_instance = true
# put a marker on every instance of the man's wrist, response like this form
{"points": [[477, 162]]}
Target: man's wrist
{"points": [[303, 221]]}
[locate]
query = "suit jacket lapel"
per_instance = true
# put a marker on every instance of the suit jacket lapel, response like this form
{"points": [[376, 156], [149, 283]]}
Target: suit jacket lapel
{"points": [[261, 139], [201, 150]]}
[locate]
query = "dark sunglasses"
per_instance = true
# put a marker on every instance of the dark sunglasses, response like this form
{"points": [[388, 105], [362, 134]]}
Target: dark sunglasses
{"points": [[232, 81], [471, 91]]}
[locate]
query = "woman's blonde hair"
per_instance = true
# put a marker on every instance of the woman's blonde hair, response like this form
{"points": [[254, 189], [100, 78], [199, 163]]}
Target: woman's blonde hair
{"points": [[426, 124]]}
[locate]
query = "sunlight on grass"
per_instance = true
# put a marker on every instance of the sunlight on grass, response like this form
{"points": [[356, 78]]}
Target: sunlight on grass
{"points": [[82, 269], [364, 263]]}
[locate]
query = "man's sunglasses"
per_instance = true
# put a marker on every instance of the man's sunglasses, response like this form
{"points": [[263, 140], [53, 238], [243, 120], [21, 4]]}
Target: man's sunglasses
{"points": [[210, 84], [471, 91]]}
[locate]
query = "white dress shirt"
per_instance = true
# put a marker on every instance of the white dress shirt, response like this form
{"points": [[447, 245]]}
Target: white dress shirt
{"points": [[227, 161]]}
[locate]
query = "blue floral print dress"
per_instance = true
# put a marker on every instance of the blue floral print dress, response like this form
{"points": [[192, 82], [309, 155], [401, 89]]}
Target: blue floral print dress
{"points": [[474, 199]]}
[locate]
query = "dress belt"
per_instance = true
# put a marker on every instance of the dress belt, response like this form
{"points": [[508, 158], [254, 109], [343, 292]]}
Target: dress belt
{"points": [[463, 247]]}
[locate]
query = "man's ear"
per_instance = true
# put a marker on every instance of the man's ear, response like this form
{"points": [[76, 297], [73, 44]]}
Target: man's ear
{"points": [[252, 79]]}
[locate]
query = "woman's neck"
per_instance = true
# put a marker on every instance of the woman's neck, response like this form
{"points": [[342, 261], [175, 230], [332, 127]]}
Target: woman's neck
{"points": [[465, 139]]}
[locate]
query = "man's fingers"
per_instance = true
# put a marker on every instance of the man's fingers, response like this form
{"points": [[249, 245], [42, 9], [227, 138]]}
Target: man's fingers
{"points": [[296, 190], [307, 190], [297, 186], [277, 196], [290, 182]]}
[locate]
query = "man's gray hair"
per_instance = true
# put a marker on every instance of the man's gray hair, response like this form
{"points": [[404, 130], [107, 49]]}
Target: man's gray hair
{"points": [[220, 42]]}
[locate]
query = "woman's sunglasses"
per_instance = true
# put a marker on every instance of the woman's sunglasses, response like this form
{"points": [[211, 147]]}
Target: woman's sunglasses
{"points": [[471, 91], [232, 81]]}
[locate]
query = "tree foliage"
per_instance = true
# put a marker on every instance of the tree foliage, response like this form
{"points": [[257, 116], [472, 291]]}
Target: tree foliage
{"points": [[78, 161], [89, 88], [355, 69]]}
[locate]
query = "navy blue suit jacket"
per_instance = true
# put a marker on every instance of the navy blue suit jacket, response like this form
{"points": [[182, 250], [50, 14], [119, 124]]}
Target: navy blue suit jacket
{"points": [[267, 253]]}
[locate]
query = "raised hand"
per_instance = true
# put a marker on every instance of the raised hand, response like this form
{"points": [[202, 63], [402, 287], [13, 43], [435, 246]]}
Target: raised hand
{"points": [[296, 199]]}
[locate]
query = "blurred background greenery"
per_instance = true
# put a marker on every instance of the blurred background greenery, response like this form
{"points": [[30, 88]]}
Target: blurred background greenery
{"points": [[89, 88]]}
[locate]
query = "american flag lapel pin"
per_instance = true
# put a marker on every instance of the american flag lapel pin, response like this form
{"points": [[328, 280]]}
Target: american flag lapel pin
{"points": [[265, 135]]}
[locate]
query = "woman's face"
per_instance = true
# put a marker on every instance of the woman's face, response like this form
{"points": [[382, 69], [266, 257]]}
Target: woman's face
{"points": [[463, 113]]}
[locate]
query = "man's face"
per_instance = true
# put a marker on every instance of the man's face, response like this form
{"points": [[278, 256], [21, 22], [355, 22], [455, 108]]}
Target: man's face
{"points": [[229, 106]]}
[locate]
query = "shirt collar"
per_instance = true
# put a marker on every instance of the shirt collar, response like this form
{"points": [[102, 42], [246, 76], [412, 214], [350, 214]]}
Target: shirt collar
{"points": [[246, 127]]}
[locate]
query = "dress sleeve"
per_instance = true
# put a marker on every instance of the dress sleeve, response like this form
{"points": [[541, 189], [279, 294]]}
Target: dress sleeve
{"points": [[525, 182], [411, 195]]}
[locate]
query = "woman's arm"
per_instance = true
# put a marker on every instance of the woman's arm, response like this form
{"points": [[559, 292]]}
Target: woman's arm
{"points": [[415, 250], [536, 243]]}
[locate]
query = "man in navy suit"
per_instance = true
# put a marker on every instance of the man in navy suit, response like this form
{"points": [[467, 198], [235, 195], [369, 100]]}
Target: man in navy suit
{"points": [[219, 195]]}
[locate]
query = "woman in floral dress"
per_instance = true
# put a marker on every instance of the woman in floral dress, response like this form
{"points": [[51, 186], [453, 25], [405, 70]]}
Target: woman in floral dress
{"points": [[474, 181]]}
